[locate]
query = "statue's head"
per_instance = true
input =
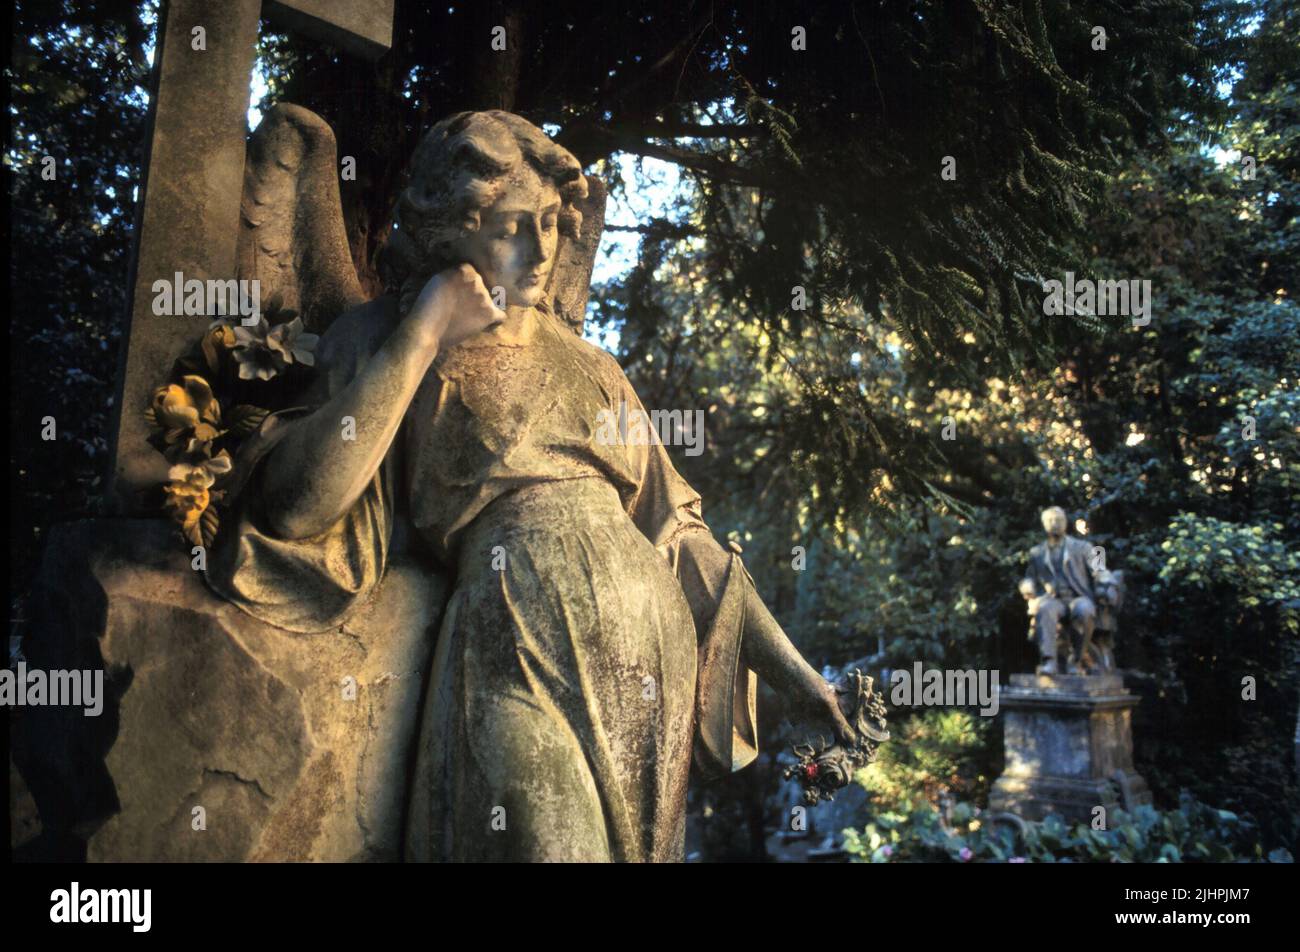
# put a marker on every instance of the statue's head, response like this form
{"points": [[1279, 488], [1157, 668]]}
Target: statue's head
{"points": [[1054, 522], [490, 189]]}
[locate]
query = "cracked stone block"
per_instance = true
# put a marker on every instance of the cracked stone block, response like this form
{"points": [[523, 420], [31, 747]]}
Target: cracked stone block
{"points": [[222, 738]]}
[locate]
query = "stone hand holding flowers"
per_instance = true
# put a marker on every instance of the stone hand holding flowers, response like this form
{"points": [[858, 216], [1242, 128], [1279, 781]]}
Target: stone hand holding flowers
{"points": [[822, 768]]}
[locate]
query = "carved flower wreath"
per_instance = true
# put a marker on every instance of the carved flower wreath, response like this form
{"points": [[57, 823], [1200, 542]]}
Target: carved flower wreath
{"points": [[251, 370]]}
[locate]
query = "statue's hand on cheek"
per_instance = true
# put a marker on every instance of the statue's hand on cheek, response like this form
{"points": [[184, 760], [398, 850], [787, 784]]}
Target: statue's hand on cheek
{"points": [[455, 305]]}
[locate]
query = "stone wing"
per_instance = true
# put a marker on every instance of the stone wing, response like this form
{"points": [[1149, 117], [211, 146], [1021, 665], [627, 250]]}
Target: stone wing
{"points": [[570, 283], [291, 235]]}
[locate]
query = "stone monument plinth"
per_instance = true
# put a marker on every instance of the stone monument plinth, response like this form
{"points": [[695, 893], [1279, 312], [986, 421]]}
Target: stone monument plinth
{"points": [[222, 738], [1069, 747]]}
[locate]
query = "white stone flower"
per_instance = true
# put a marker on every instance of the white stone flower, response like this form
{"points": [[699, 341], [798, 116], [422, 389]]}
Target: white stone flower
{"points": [[291, 344], [256, 358], [199, 471], [263, 351]]}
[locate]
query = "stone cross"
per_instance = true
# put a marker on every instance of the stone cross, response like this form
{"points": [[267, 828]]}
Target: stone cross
{"points": [[188, 218]]}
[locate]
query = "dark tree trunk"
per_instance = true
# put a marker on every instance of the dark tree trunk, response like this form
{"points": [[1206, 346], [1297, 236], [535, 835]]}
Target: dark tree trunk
{"points": [[494, 83]]}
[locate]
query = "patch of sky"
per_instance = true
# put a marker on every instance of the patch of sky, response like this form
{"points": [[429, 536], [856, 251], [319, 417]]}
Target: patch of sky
{"points": [[257, 90], [647, 189], [650, 189]]}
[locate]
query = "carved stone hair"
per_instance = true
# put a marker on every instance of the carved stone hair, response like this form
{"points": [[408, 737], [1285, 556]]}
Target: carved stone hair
{"points": [[460, 168]]}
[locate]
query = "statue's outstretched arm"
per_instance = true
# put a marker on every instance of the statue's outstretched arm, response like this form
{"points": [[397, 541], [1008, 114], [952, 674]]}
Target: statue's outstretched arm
{"points": [[313, 476], [765, 648], [667, 510]]}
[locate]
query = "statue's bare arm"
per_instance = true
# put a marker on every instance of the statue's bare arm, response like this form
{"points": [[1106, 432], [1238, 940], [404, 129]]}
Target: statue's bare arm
{"points": [[313, 476]]}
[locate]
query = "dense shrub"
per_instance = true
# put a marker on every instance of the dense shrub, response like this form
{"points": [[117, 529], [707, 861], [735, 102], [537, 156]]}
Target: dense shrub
{"points": [[941, 753], [1192, 833]]}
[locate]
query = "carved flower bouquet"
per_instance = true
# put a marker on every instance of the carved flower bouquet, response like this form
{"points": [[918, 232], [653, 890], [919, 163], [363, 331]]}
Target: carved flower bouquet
{"points": [[217, 395], [822, 768]]}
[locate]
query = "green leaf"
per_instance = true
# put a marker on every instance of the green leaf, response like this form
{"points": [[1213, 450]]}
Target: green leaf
{"points": [[209, 524], [244, 419]]}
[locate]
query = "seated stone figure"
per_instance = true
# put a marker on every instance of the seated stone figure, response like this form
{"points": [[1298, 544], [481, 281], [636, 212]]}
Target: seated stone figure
{"points": [[1066, 584]]}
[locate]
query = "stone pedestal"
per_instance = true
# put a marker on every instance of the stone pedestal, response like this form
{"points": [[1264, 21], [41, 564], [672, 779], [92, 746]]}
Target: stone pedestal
{"points": [[1069, 747], [296, 747]]}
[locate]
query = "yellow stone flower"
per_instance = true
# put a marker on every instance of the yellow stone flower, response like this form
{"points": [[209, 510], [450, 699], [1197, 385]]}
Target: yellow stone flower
{"points": [[172, 407], [187, 500], [187, 406], [222, 335]]}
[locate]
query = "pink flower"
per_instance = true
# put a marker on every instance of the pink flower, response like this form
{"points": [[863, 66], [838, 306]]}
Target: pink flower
{"points": [[886, 851], [965, 853]]}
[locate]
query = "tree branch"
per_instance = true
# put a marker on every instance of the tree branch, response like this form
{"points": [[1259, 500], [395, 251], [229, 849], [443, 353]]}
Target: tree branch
{"points": [[659, 229], [702, 130]]}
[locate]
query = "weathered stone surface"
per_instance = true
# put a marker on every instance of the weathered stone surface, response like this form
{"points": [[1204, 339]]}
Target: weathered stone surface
{"points": [[291, 236], [1067, 686], [570, 281], [361, 27], [189, 218], [1069, 747], [208, 707]]}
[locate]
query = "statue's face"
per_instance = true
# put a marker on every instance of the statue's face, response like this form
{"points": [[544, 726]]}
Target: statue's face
{"points": [[1054, 522], [514, 246]]}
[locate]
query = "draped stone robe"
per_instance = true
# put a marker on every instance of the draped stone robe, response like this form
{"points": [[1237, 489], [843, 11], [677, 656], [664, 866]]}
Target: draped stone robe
{"points": [[570, 683]]}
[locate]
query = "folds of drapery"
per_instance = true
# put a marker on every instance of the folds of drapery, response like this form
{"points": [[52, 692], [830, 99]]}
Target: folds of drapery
{"points": [[726, 724], [666, 510], [314, 584]]}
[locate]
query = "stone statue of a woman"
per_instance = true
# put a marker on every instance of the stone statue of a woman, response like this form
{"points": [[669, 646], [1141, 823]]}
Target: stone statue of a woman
{"points": [[597, 635]]}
